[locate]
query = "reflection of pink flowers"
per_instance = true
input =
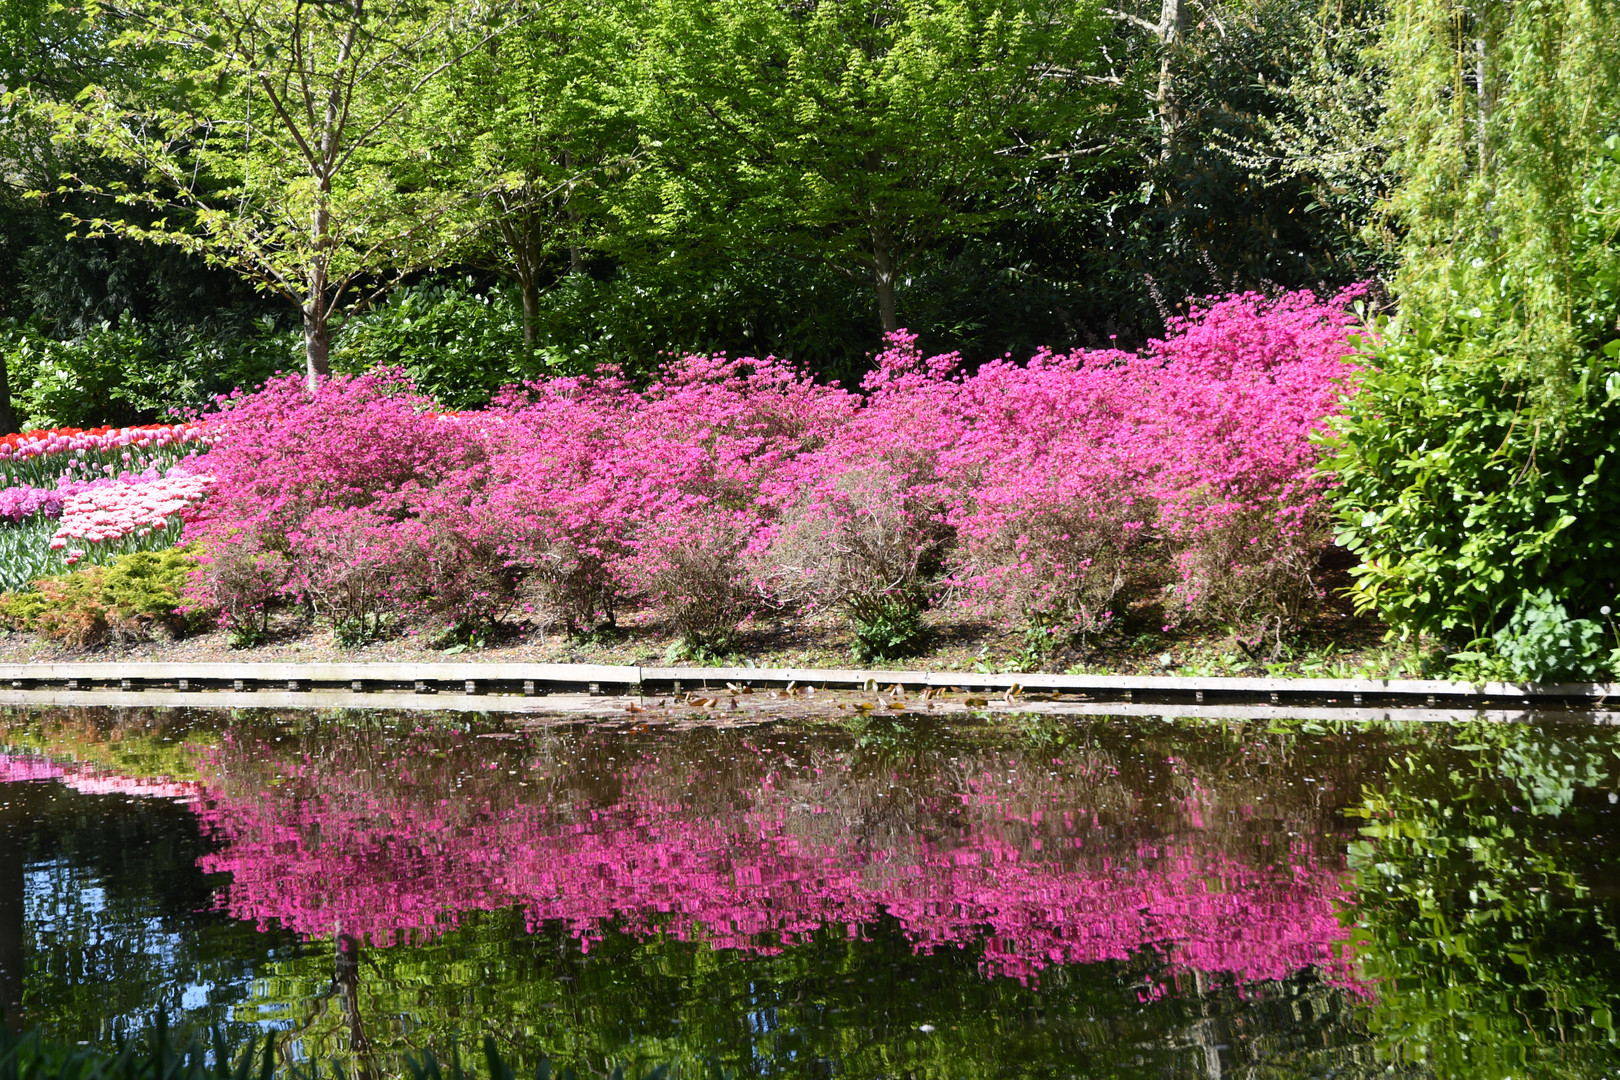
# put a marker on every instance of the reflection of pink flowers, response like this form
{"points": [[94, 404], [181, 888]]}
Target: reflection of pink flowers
{"points": [[21, 768], [1037, 888], [89, 780]]}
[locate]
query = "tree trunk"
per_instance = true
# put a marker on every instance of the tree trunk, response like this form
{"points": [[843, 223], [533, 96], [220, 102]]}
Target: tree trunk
{"points": [[883, 276], [531, 312], [1172, 29], [517, 230], [8, 415], [317, 346]]}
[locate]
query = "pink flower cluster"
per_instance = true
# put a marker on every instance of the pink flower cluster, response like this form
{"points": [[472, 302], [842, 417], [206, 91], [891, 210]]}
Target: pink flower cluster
{"points": [[109, 513], [18, 503], [1045, 491]]}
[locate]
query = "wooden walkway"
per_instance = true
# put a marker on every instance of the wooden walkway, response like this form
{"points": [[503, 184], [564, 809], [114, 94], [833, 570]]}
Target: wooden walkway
{"points": [[278, 683]]}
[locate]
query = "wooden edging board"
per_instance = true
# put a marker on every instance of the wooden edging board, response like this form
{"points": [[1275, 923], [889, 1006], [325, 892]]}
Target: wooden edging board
{"points": [[34, 681], [563, 709]]}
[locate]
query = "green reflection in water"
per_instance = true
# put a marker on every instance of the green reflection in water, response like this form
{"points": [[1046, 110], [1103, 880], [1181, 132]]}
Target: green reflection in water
{"points": [[868, 1007], [1486, 895]]}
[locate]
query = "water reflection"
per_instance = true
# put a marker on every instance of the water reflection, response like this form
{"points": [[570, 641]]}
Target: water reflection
{"points": [[1040, 855], [874, 898]]}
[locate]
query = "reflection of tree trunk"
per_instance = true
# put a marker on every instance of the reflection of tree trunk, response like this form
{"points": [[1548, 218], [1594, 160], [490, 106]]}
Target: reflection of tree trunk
{"points": [[12, 952], [1208, 1038], [346, 981]]}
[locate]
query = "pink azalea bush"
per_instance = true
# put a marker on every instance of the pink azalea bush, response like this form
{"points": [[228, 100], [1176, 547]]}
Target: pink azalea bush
{"points": [[1047, 493]]}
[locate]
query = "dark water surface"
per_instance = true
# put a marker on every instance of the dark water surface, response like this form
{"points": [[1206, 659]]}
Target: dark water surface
{"points": [[856, 898]]}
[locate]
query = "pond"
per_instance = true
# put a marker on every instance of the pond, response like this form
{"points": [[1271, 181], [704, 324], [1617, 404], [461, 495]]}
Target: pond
{"points": [[850, 897]]}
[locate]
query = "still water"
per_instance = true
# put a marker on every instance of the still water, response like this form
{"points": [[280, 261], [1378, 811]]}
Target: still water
{"points": [[885, 897]]}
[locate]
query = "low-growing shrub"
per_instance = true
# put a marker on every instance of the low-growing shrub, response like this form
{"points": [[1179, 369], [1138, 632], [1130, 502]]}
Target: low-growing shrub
{"points": [[1541, 643], [240, 578], [128, 599], [695, 573]]}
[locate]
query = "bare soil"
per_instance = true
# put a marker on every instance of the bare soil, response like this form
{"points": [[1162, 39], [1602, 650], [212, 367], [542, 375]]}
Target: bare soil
{"points": [[1335, 643]]}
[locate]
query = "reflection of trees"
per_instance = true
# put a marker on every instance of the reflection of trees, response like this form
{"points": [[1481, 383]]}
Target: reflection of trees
{"points": [[832, 1006], [1486, 886], [104, 915]]}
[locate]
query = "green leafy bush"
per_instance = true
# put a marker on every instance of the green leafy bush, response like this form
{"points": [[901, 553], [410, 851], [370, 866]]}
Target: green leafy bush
{"points": [[459, 344], [131, 372], [892, 630], [1475, 513], [1541, 642], [128, 599]]}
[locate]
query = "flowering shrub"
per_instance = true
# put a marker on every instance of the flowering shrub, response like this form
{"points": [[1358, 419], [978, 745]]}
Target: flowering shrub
{"points": [[1047, 493]]}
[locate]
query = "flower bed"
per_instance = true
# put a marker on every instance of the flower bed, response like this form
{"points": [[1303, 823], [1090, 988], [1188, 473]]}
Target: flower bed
{"points": [[1051, 495], [115, 490]]}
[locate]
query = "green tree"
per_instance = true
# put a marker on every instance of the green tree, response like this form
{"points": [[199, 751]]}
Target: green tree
{"points": [[548, 104], [854, 134], [282, 140], [1477, 457], [1503, 119]]}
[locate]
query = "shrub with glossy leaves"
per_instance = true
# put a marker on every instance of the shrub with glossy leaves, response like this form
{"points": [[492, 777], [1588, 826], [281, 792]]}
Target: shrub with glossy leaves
{"points": [[1464, 504]]}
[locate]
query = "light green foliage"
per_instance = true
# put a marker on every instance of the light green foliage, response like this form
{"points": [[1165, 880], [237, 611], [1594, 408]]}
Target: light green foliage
{"points": [[282, 141], [1502, 117], [1461, 500], [127, 597], [1477, 462], [548, 106], [26, 555], [853, 134], [25, 552]]}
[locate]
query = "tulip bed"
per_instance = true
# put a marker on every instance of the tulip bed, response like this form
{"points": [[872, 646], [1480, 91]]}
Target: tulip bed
{"points": [[71, 496], [1064, 496]]}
